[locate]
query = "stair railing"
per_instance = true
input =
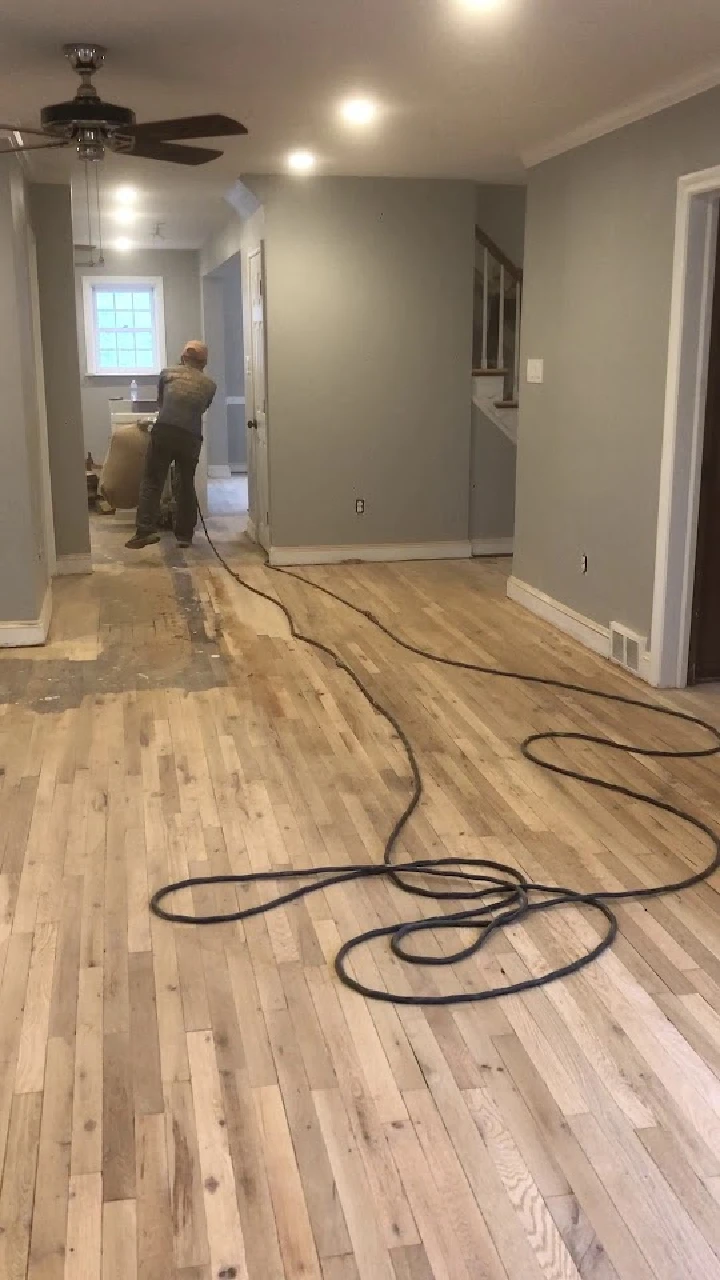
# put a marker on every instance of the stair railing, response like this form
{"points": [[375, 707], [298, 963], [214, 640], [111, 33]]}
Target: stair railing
{"points": [[498, 305]]}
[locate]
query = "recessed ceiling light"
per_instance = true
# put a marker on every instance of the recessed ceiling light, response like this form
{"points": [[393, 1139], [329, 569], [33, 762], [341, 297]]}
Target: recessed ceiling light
{"points": [[122, 244], [301, 161], [126, 195], [360, 111], [481, 5], [124, 216]]}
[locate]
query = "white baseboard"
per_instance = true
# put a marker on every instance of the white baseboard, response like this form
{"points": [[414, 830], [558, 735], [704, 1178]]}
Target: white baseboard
{"points": [[492, 546], [73, 564], [21, 635], [220, 471], [378, 553], [588, 633]]}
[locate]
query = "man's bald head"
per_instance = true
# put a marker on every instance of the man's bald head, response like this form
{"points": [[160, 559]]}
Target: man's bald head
{"points": [[195, 353]]}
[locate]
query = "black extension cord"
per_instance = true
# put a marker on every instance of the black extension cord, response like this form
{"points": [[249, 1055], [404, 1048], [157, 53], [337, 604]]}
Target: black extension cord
{"points": [[502, 896]]}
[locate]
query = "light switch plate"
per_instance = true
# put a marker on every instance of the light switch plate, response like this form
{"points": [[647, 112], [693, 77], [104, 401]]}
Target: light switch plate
{"points": [[535, 371]]}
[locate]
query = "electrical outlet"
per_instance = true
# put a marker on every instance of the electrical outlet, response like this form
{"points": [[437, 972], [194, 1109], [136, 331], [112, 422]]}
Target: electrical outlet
{"points": [[360, 506], [583, 564]]}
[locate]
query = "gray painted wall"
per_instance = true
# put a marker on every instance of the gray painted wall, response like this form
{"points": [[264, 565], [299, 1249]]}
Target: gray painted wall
{"points": [[234, 361], [500, 211], [216, 425], [598, 264], [23, 563], [52, 222], [492, 480], [181, 288], [369, 328], [231, 275]]}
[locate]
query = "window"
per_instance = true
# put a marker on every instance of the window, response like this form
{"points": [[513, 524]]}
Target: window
{"points": [[124, 326]]}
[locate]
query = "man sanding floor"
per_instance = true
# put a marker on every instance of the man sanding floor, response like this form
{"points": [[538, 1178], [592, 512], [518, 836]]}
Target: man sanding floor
{"points": [[185, 393]]}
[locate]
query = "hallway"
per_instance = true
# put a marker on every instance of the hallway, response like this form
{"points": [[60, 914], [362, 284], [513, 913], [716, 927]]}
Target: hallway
{"points": [[180, 1104]]}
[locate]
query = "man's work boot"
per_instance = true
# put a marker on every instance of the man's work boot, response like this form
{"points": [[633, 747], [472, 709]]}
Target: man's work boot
{"points": [[141, 540]]}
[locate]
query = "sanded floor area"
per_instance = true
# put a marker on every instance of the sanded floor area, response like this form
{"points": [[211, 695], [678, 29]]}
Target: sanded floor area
{"points": [[210, 1104]]}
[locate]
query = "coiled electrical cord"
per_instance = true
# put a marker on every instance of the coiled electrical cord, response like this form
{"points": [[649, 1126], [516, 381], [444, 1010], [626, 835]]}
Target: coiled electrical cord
{"points": [[499, 895]]}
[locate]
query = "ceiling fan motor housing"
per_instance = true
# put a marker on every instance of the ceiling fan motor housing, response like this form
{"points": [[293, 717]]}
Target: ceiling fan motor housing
{"points": [[86, 119], [67, 118]]}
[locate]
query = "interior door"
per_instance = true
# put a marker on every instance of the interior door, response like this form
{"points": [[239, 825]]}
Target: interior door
{"points": [[704, 661], [257, 424]]}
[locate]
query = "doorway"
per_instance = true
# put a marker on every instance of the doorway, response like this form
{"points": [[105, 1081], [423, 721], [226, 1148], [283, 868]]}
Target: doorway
{"points": [[678, 549], [704, 657], [257, 444], [226, 458]]}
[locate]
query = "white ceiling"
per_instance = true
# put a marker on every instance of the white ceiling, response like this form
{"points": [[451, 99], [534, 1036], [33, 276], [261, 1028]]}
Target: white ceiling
{"points": [[464, 94]]}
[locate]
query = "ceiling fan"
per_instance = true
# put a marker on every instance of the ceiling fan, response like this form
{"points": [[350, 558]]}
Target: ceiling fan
{"points": [[93, 127]]}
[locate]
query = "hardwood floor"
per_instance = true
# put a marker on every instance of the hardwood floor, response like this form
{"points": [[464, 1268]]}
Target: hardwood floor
{"points": [[180, 1104]]}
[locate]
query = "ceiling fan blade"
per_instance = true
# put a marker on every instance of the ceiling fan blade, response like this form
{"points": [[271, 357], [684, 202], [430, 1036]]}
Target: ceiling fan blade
{"points": [[152, 150], [22, 128], [187, 127], [32, 146]]}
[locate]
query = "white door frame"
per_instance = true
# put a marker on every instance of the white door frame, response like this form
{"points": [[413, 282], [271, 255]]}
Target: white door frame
{"points": [[684, 424]]}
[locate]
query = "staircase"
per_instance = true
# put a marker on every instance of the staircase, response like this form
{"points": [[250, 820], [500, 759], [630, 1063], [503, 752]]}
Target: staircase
{"points": [[496, 319], [496, 370]]}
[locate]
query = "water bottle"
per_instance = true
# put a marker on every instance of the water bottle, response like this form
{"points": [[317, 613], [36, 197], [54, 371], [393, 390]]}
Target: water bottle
{"points": [[133, 391]]}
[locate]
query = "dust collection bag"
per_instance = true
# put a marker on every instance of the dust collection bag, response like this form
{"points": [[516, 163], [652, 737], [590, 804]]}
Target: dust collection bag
{"points": [[123, 467]]}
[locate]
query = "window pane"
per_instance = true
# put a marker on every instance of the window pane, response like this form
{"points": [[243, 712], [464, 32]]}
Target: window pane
{"points": [[126, 340], [108, 360], [123, 301], [144, 339], [106, 340], [106, 320], [142, 301], [103, 299], [144, 360]]}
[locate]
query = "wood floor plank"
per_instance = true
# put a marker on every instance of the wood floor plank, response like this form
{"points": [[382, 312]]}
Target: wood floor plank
{"points": [[250, 1165], [83, 1258], [295, 1234], [87, 1129], [225, 1237], [369, 1248], [32, 1051], [119, 1241], [118, 1127], [153, 1214], [147, 1072], [18, 1185], [324, 1208], [190, 1244], [50, 1211]]}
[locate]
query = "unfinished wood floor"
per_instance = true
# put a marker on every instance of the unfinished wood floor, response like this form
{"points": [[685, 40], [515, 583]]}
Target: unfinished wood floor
{"points": [[179, 1103]]}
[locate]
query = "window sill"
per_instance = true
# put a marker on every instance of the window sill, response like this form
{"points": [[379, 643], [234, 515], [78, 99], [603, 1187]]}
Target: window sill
{"points": [[123, 377]]}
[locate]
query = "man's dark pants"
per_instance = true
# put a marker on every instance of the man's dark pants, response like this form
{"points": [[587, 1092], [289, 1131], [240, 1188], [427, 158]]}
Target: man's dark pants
{"points": [[169, 444]]}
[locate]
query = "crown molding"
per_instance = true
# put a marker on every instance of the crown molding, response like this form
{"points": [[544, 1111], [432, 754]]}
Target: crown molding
{"points": [[649, 105]]}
